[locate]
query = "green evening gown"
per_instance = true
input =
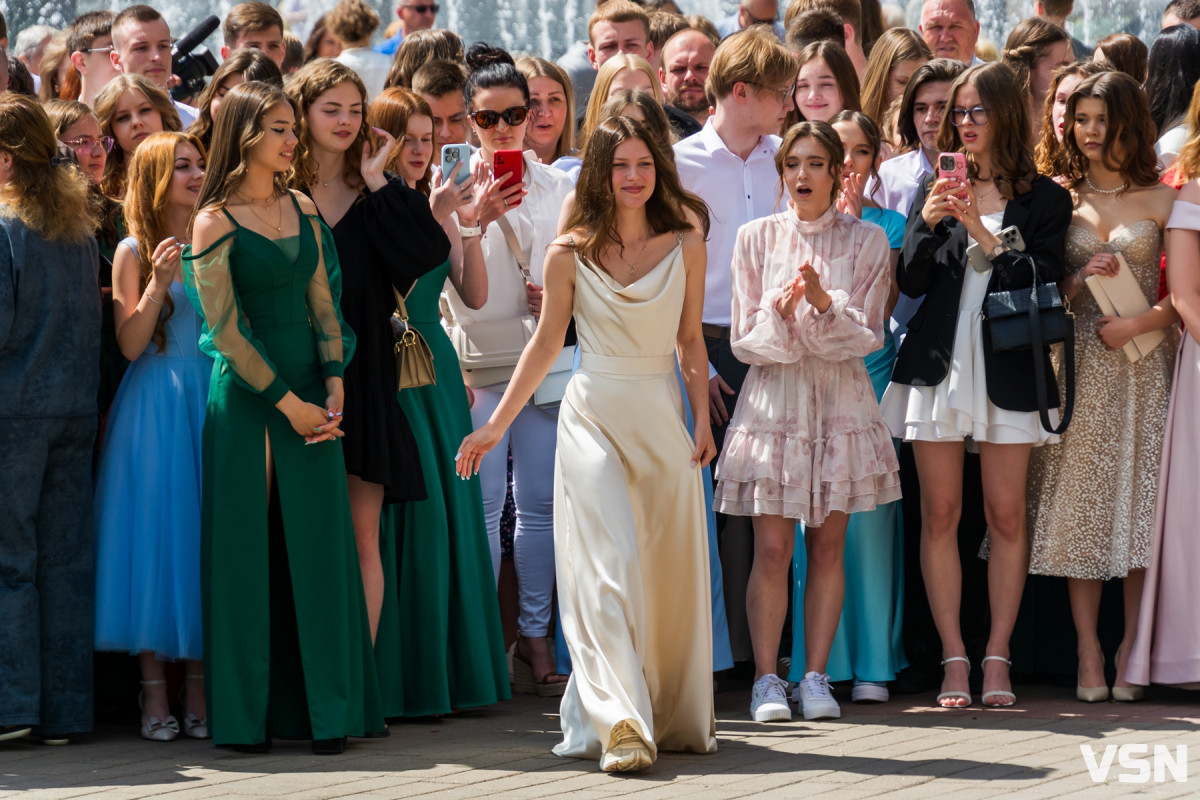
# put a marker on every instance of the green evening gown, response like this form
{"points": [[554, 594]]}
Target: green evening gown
{"points": [[439, 646], [287, 646]]}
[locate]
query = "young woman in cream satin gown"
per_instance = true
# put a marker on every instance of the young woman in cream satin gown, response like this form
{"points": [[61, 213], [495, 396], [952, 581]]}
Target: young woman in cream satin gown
{"points": [[628, 497]]}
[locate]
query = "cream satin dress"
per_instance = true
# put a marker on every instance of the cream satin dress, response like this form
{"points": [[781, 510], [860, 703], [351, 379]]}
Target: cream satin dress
{"points": [[630, 545]]}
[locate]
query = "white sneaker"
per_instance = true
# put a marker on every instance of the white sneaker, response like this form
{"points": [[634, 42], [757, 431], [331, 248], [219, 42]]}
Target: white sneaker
{"points": [[816, 697], [869, 692], [768, 700]]}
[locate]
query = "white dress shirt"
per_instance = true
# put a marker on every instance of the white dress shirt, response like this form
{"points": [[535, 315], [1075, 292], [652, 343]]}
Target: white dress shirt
{"points": [[372, 67], [899, 179], [736, 192]]}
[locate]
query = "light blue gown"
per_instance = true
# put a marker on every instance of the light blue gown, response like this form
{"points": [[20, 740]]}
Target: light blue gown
{"points": [[867, 645], [148, 497]]}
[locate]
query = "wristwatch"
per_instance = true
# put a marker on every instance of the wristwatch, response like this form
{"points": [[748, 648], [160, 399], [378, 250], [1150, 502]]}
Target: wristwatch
{"points": [[467, 233], [1000, 247]]}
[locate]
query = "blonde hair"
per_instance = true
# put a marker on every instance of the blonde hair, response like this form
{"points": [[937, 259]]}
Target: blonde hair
{"points": [[113, 182], [151, 171], [46, 192], [534, 67], [750, 56], [896, 46], [608, 72]]}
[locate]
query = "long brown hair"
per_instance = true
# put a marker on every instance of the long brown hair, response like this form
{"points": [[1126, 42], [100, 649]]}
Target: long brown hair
{"points": [[895, 47], [656, 119], [1026, 44], [151, 171], [44, 191], [1048, 153], [823, 134], [1127, 115], [1187, 166], [251, 64], [418, 49], [834, 56], [1008, 117], [390, 111], [305, 86], [113, 182], [239, 128], [594, 213]]}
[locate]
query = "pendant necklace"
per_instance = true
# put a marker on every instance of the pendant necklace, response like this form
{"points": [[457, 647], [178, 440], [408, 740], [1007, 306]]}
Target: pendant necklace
{"points": [[253, 202], [633, 264]]}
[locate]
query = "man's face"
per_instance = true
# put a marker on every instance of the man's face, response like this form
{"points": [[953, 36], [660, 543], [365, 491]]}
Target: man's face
{"points": [[949, 29], [95, 64], [144, 48], [269, 40], [449, 118], [757, 12], [684, 70], [614, 38], [416, 15]]}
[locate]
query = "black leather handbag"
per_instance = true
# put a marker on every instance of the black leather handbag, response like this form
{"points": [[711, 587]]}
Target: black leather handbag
{"points": [[1030, 319]]}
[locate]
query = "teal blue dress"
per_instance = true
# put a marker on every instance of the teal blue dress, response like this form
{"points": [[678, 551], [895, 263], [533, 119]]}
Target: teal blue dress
{"points": [[867, 645]]}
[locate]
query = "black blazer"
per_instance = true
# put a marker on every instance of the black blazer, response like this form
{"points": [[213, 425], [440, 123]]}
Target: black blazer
{"points": [[933, 263]]}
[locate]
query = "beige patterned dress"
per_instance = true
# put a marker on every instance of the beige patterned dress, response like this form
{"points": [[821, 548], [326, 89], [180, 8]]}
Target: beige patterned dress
{"points": [[1091, 497]]}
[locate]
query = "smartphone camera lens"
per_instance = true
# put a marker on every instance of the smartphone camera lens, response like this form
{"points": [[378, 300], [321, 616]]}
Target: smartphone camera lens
{"points": [[947, 163]]}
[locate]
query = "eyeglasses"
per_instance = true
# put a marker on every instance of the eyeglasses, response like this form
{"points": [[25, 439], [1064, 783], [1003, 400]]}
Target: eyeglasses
{"points": [[978, 115], [425, 8], [490, 119], [91, 50], [84, 143], [783, 94]]}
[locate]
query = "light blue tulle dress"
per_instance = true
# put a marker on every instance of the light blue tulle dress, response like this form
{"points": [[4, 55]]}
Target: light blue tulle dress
{"points": [[867, 645], [148, 497]]}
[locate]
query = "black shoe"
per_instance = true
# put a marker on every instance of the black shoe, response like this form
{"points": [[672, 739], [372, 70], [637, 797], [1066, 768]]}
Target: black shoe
{"points": [[256, 749], [329, 747]]}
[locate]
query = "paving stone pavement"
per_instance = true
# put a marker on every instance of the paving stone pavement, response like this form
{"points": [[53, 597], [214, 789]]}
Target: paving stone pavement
{"points": [[904, 749]]}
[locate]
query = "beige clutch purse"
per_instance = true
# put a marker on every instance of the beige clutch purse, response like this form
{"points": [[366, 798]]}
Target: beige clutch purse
{"points": [[1120, 296]]}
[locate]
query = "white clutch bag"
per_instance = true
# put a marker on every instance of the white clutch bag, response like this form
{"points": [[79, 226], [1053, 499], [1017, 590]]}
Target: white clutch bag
{"points": [[1120, 296]]}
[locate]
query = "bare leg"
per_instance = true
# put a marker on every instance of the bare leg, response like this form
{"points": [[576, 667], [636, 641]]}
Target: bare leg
{"points": [[154, 696], [194, 676], [824, 588], [1004, 468], [939, 467], [1085, 611], [536, 650], [1132, 591], [767, 590], [366, 503]]}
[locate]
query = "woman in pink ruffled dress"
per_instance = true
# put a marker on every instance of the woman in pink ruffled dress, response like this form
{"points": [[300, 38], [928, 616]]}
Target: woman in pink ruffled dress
{"points": [[806, 442]]}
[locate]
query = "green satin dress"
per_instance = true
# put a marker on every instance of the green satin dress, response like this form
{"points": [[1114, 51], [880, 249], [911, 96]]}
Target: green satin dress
{"points": [[439, 646], [287, 646]]}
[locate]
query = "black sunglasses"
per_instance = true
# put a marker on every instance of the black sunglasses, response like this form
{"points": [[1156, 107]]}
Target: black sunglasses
{"points": [[490, 119], [431, 8]]}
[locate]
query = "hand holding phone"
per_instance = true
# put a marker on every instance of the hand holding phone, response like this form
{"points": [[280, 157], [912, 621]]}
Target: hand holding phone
{"points": [[456, 155], [512, 164], [954, 166]]}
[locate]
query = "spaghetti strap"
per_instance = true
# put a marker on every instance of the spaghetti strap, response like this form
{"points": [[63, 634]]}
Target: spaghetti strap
{"points": [[232, 218], [678, 237]]}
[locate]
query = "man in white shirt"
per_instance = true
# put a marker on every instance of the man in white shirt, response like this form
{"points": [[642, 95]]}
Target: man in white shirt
{"points": [[730, 164], [256, 25], [950, 29], [141, 41]]}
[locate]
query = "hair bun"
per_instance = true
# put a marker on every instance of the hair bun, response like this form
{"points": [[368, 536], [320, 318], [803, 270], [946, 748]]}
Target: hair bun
{"points": [[482, 54]]}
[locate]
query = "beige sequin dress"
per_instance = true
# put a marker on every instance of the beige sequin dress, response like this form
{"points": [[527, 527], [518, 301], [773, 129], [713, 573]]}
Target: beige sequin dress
{"points": [[1091, 497]]}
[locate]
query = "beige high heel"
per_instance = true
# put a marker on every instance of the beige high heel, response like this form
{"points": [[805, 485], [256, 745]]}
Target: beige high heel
{"points": [[1091, 694], [1127, 694], [155, 729], [193, 726]]}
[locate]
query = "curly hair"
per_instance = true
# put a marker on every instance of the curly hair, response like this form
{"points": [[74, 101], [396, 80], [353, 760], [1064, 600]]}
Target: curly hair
{"points": [[594, 214], [1187, 166], [113, 182], [1027, 43], [1127, 125], [1048, 153], [305, 86], [151, 171], [45, 192]]}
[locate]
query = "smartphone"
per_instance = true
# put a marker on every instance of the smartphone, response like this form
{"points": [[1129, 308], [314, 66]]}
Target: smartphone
{"points": [[452, 156], [1011, 237], [511, 162], [953, 165]]}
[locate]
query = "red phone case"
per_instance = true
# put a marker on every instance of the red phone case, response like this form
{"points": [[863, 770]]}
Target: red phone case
{"points": [[511, 162]]}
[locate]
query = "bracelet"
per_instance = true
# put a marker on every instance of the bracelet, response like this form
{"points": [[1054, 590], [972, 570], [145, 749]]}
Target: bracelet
{"points": [[1000, 247], [468, 232], [150, 297]]}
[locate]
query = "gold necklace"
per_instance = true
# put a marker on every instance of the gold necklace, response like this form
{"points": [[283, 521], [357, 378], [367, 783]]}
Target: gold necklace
{"points": [[266, 203], [633, 264]]}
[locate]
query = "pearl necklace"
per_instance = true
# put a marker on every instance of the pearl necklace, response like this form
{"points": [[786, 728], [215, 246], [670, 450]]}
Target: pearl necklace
{"points": [[1094, 188]]}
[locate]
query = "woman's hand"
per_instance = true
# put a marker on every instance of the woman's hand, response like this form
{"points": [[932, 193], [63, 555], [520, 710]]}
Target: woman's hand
{"points": [[705, 450], [473, 448], [1115, 332], [814, 293], [938, 201], [850, 201], [310, 420], [492, 200], [1105, 264], [447, 196], [787, 302], [165, 261], [533, 297], [966, 211], [373, 164]]}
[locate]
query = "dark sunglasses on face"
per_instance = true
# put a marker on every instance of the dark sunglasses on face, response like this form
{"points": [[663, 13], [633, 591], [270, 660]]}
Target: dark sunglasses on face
{"points": [[431, 8], [490, 119]]}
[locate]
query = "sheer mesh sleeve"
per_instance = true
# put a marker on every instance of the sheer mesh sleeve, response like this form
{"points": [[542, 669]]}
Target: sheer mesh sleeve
{"points": [[226, 334], [335, 340]]}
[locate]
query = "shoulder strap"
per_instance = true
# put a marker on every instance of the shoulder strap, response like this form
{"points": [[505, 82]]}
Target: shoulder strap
{"points": [[232, 219], [510, 236], [401, 309]]}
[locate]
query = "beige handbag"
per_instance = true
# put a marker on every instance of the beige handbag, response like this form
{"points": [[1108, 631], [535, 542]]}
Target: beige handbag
{"points": [[414, 361]]}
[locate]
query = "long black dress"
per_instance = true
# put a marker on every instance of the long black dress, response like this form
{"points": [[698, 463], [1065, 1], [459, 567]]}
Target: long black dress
{"points": [[388, 238]]}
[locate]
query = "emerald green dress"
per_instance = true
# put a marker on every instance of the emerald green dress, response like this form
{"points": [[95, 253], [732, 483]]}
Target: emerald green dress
{"points": [[439, 645], [287, 647]]}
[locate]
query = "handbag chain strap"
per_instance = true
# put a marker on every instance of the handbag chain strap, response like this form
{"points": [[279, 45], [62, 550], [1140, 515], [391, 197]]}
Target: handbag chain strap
{"points": [[1039, 359], [510, 236]]}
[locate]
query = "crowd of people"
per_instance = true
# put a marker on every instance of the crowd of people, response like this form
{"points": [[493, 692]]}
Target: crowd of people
{"points": [[684, 355]]}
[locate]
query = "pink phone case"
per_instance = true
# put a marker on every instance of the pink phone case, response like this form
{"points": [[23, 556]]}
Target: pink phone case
{"points": [[953, 165]]}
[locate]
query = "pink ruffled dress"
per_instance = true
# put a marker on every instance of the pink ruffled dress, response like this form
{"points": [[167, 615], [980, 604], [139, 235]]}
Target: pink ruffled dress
{"points": [[807, 437]]}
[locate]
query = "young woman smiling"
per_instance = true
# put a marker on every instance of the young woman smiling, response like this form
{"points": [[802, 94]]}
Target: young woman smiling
{"points": [[825, 84], [129, 109], [948, 383]]}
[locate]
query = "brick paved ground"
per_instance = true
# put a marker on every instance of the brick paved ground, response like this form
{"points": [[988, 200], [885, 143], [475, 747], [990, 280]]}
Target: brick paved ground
{"points": [[903, 749]]}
